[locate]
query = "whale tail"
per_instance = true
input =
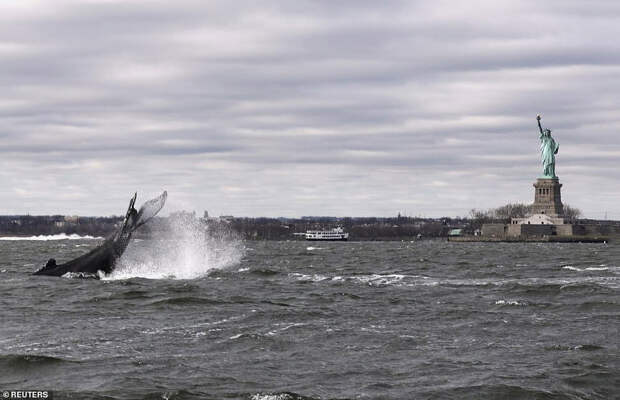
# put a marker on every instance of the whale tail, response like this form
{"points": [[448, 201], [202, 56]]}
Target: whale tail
{"points": [[103, 257], [135, 219]]}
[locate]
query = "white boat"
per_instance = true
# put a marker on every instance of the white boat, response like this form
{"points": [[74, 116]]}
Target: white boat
{"points": [[334, 234]]}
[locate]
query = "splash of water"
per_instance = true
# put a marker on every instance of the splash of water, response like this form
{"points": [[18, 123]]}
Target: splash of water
{"points": [[186, 249]]}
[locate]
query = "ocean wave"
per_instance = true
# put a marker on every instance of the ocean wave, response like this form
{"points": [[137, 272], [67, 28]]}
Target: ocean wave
{"points": [[579, 347], [496, 391], [61, 236], [309, 278], [81, 275], [186, 301], [286, 327], [15, 361], [128, 295], [264, 272], [510, 303], [587, 283], [279, 396], [253, 336], [599, 268], [382, 279], [557, 286], [599, 306], [371, 280]]}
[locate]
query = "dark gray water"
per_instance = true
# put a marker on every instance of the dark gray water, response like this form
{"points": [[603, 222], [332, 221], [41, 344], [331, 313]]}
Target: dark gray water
{"points": [[289, 320]]}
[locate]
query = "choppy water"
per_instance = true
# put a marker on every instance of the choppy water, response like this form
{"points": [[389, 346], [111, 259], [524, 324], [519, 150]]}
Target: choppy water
{"points": [[289, 320]]}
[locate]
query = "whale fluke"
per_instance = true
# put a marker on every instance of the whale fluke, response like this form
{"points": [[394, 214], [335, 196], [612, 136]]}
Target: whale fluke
{"points": [[150, 209]]}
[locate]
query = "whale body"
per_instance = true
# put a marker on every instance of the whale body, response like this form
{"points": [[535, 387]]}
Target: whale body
{"points": [[103, 258]]}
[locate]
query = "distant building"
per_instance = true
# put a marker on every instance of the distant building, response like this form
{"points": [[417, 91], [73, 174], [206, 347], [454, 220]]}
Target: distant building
{"points": [[72, 219]]}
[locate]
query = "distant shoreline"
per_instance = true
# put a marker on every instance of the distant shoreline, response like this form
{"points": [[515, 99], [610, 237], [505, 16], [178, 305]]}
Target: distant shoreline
{"points": [[544, 239], [399, 228]]}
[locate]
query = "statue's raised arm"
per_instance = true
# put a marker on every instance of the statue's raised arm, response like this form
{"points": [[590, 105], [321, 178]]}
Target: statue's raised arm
{"points": [[539, 126]]}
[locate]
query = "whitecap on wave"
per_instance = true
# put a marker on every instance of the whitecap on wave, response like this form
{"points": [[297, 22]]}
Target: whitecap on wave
{"points": [[60, 236], [309, 278], [370, 280], [570, 267], [80, 275], [510, 303], [280, 396]]}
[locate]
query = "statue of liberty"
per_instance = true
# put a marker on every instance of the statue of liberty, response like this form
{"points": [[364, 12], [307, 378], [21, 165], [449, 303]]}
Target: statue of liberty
{"points": [[548, 149]]}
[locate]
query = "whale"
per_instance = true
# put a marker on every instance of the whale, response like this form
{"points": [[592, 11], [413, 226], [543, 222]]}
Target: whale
{"points": [[103, 258]]}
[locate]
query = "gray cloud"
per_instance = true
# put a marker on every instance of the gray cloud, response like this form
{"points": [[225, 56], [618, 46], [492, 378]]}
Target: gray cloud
{"points": [[298, 108]]}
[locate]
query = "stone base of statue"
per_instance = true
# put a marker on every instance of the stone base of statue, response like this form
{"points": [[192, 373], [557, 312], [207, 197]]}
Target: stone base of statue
{"points": [[547, 215], [544, 223], [548, 197]]}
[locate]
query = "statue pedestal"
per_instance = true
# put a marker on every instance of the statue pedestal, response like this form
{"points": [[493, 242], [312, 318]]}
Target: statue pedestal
{"points": [[547, 197]]}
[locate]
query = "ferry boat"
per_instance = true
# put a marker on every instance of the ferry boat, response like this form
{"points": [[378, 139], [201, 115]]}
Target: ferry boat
{"points": [[334, 234]]}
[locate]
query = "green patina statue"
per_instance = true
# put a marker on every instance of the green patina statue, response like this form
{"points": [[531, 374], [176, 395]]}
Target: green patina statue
{"points": [[548, 149]]}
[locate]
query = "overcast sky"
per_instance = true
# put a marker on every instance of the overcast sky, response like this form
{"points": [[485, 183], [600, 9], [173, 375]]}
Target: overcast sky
{"points": [[291, 108]]}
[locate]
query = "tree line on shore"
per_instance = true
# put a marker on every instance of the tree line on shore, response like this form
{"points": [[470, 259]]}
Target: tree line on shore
{"points": [[506, 212]]}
